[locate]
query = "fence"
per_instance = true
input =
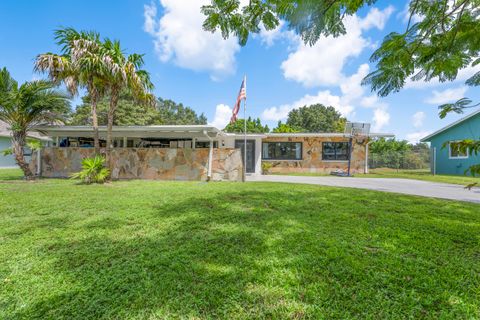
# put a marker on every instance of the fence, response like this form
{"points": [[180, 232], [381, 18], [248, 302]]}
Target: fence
{"points": [[400, 160]]}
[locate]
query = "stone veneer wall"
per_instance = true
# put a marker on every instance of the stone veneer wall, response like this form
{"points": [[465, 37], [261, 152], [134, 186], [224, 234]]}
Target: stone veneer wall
{"points": [[147, 163], [312, 156]]}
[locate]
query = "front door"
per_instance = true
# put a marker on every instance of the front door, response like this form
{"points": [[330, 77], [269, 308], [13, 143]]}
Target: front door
{"points": [[250, 153]]}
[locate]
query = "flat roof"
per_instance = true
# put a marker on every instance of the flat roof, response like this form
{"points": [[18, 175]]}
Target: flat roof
{"points": [[427, 138]]}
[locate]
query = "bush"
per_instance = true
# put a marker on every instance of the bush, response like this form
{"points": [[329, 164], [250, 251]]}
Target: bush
{"points": [[93, 171], [266, 166]]}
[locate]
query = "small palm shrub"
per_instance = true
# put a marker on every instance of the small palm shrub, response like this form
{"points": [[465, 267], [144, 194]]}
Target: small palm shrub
{"points": [[266, 166], [93, 171]]}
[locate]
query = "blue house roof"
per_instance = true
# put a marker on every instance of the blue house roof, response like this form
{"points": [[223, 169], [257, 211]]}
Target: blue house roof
{"points": [[430, 136]]}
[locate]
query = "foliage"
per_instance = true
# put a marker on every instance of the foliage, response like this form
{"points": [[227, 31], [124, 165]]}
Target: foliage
{"points": [[177, 114], [284, 128], [395, 154], [180, 250], [32, 144], [266, 166], [93, 170], [253, 126], [79, 65], [316, 118], [27, 105], [130, 112], [308, 18]]}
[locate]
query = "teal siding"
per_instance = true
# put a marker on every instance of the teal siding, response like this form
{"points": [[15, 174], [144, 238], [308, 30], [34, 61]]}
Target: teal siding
{"points": [[468, 129], [6, 161]]}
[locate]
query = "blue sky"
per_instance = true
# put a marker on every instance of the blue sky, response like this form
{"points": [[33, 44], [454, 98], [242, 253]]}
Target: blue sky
{"points": [[204, 71]]}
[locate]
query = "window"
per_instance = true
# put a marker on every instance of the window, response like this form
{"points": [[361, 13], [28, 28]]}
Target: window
{"points": [[282, 150], [335, 151], [454, 151]]}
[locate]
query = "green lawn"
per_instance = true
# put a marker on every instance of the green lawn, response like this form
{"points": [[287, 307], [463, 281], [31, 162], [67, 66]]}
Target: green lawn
{"points": [[190, 250], [407, 174]]}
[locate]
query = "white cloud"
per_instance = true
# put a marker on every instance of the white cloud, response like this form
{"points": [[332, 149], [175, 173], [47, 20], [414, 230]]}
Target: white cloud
{"points": [[322, 64], [418, 118], [178, 36], [381, 118], [415, 137], [447, 95], [463, 74], [351, 91], [223, 113]]}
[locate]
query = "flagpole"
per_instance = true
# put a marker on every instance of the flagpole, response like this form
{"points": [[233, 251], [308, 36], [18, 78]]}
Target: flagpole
{"points": [[245, 133]]}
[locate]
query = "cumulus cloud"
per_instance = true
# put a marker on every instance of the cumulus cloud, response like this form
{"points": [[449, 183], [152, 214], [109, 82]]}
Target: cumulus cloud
{"points": [[322, 64], [447, 95], [222, 116], [178, 36], [381, 118], [463, 74], [415, 137], [418, 118]]}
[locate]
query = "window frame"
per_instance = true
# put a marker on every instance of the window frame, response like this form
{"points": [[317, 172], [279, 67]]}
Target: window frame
{"points": [[466, 156], [283, 159], [336, 160]]}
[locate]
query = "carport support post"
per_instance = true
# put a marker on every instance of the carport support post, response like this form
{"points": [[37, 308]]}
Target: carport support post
{"points": [[124, 142]]}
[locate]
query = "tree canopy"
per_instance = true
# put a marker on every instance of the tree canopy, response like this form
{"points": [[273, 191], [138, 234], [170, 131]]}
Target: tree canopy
{"points": [[253, 126], [130, 112], [284, 128], [316, 118]]}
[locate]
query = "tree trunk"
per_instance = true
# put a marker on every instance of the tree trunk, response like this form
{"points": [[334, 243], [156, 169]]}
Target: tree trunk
{"points": [[18, 143], [96, 136], [111, 114]]}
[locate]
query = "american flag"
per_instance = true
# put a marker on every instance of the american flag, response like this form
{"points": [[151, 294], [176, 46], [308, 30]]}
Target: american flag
{"points": [[242, 95]]}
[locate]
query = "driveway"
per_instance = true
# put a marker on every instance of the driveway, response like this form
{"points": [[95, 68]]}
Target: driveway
{"points": [[405, 186]]}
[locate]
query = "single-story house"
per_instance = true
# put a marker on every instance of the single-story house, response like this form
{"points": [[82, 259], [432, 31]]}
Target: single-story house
{"points": [[448, 160], [199, 152], [8, 161]]}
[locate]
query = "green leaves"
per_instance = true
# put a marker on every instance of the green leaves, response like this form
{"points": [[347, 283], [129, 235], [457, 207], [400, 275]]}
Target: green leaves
{"points": [[457, 107], [253, 126], [93, 171], [316, 118]]}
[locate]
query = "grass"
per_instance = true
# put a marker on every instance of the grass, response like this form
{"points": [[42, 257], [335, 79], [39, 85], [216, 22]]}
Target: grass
{"points": [[424, 175], [157, 250]]}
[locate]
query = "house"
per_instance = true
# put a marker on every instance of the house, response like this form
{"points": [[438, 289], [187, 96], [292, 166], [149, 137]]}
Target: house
{"points": [[200, 152], [445, 158], [8, 161]]}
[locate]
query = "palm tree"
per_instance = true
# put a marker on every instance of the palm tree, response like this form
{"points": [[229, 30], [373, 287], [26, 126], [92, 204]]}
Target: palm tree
{"points": [[79, 65], [30, 104], [124, 73]]}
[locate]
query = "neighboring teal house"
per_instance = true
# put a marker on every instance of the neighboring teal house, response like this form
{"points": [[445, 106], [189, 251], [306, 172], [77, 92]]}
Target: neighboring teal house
{"points": [[447, 160]]}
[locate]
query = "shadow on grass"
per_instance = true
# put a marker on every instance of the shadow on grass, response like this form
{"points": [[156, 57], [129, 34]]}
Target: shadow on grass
{"points": [[251, 254]]}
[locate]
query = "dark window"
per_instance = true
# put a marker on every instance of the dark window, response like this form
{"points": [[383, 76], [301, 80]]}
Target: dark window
{"points": [[282, 150], [205, 144], [335, 151]]}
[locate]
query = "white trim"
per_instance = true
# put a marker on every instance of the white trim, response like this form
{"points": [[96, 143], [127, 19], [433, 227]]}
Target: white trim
{"points": [[457, 157], [427, 138]]}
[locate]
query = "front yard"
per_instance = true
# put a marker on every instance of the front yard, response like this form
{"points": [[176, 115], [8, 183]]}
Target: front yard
{"points": [[155, 250]]}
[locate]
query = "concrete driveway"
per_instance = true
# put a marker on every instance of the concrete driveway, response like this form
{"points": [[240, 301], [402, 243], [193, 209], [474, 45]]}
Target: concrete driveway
{"points": [[405, 186]]}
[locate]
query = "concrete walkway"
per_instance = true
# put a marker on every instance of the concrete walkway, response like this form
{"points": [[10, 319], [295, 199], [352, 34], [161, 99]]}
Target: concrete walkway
{"points": [[405, 186]]}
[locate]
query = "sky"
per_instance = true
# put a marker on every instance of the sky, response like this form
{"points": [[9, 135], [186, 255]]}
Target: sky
{"points": [[204, 71]]}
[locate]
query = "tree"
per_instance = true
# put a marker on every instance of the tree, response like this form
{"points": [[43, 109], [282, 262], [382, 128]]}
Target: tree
{"points": [[80, 64], [253, 126], [178, 114], [122, 73], [284, 128], [441, 38], [129, 112], [30, 104], [316, 118]]}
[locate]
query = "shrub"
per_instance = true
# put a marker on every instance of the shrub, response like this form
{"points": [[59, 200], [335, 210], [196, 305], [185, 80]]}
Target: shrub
{"points": [[266, 166], [93, 171]]}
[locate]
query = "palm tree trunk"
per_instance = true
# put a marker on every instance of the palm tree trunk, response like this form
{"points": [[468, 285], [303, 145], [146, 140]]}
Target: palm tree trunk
{"points": [[111, 114], [18, 143], [94, 101]]}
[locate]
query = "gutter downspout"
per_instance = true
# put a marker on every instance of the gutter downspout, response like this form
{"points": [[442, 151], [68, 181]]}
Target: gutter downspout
{"points": [[210, 156]]}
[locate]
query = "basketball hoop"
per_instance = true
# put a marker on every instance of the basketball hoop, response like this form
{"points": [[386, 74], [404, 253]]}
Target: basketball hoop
{"points": [[357, 130]]}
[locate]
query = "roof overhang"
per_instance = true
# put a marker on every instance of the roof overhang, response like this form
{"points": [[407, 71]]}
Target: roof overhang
{"points": [[326, 135], [427, 138], [170, 131]]}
